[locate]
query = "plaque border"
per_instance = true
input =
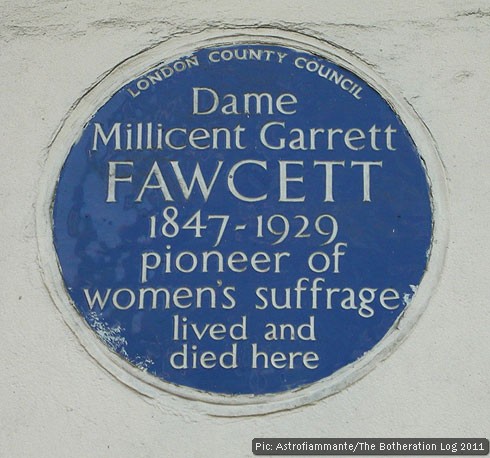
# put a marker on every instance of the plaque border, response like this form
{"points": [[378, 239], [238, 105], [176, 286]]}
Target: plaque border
{"points": [[105, 87]]}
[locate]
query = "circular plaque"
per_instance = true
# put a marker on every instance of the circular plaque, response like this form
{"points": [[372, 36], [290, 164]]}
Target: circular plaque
{"points": [[245, 218]]}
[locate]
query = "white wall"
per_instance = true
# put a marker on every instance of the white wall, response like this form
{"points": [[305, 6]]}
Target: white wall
{"points": [[56, 401]]}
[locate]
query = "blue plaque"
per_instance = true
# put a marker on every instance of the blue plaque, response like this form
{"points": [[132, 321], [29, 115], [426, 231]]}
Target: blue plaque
{"points": [[241, 218]]}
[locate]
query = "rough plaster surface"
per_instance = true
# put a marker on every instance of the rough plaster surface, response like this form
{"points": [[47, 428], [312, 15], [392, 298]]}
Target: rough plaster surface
{"points": [[56, 401]]}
